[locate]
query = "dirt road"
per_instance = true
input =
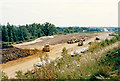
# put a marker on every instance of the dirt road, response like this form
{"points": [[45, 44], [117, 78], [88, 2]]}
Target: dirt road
{"points": [[27, 63], [53, 40]]}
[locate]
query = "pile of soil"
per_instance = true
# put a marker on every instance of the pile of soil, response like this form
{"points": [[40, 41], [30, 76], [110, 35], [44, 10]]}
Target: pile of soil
{"points": [[9, 54]]}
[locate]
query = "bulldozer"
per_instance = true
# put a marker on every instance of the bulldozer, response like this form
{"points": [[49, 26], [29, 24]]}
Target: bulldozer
{"points": [[46, 48], [80, 43]]}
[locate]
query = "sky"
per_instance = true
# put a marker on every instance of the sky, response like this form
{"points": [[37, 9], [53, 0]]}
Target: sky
{"points": [[85, 13]]}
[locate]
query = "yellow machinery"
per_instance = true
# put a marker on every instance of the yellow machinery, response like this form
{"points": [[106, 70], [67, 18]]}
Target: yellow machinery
{"points": [[46, 48]]}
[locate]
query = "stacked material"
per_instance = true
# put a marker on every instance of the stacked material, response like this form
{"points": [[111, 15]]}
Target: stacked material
{"points": [[10, 54]]}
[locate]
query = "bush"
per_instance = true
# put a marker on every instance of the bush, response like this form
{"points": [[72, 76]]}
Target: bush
{"points": [[111, 63], [64, 52], [107, 42], [4, 76], [103, 43]]}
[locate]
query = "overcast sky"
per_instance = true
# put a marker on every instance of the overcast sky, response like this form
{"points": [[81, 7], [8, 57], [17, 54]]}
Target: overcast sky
{"points": [[60, 12]]}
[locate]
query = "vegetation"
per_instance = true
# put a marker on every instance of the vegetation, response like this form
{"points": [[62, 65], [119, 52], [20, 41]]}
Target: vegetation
{"points": [[111, 63], [102, 63], [11, 33], [66, 30], [18, 34], [102, 44], [97, 63], [4, 76]]}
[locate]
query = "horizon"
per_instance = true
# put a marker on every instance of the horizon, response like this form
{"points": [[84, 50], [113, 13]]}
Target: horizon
{"points": [[60, 26]]}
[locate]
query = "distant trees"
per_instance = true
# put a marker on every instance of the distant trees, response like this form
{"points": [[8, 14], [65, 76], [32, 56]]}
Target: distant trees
{"points": [[5, 36], [49, 29], [66, 30], [11, 33]]}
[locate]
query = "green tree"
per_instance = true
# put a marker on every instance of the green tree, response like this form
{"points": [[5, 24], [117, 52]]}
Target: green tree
{"points": [[10, 33], [20, 34], [49, 29], [107, 41], [66, 30], [15, 33], [5, 36]]}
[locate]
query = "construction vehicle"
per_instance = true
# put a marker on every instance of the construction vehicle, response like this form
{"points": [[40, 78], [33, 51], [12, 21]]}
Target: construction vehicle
{"points": [[46, 48], [70, 42], [97, 38], [83, 39], [76, 40], [80, 43], [73, 40]]}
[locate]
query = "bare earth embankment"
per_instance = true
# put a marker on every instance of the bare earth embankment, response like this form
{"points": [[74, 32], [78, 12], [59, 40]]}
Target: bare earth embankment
{"points": [[57, 43]]}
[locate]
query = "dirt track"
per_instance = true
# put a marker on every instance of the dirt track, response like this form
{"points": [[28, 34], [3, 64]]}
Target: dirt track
{"points": [[27, 63], [53, 40]]}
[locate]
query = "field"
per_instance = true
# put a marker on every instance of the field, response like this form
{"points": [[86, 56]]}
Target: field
{"points": [[57, 43]]}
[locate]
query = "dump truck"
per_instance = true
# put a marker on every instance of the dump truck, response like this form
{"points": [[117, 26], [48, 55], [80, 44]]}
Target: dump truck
{"points": [[46, 48], [80, 43]]}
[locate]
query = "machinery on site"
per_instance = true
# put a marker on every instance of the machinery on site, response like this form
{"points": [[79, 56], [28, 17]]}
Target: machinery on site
{"points": [[46, 48], [83, 39], [72, 41], [80, 43], [76, 40]]}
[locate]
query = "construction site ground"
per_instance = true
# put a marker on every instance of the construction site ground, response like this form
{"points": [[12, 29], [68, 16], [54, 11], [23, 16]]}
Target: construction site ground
{"points": [[57, 43]]}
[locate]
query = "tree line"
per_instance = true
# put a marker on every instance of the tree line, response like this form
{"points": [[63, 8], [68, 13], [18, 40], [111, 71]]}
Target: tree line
{"points": [[12, 33]]}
